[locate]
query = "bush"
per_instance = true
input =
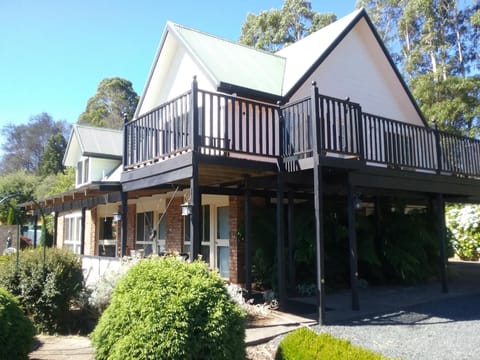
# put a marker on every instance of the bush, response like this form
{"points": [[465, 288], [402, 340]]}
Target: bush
{"points": [[16, 330], [101, 294], [305, 344], [165, 308], [464, 224], [45, 292]]}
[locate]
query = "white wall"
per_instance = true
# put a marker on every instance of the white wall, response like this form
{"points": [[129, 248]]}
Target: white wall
{"points": [[172, 76], [102, 167], [357, 68]]}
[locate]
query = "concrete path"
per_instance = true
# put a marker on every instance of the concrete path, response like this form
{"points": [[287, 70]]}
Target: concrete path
{"points": [[62, 348]]}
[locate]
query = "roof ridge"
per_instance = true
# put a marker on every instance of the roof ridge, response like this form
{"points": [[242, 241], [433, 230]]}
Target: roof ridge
{"points": [[217, 37]]}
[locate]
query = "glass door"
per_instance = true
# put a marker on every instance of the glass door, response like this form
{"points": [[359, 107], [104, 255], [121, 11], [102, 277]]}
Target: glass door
{"points": [[222, 247]]}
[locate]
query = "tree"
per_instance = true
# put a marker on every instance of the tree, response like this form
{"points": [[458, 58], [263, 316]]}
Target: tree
{"points": [[52, 159], [273, 29], [24, 144], [434, 44], [20, 184], [114, 98]]}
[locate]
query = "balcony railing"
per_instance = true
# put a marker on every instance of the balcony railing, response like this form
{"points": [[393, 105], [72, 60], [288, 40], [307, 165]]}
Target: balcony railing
{"points": [[227, 126], [230, 126]]}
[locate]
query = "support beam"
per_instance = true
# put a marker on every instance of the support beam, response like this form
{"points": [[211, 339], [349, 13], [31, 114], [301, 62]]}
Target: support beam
{"points": [[248, 238], [352, 241], [442, 235], [282, 289], [82, 232], [318, 203], [291, 242], [124, 224], [195, 197]]}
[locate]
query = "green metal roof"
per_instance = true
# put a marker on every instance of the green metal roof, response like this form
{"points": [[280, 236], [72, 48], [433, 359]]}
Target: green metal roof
{"points": [[234, 64]]}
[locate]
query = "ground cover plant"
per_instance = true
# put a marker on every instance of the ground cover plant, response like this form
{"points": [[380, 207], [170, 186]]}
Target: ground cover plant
{"points": [[305, 344], [46, 284], [16, 330], [166, 308]]}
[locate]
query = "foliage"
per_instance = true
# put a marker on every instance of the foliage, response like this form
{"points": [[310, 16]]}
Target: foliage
{"points": [[464, 224], [101, 294], [22, 185], [114, 98], [24, 144], [16, 330], [45, 289], [305, 344], [170, 309], [434, 43], [271, 30], [264, 246], [56, 184], [52, 158]]}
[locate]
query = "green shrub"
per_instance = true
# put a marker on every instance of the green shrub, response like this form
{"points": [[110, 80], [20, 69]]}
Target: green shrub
{"points": [[45, 291], [16, 330], [305, 344], [464, 224], [165, 308]]}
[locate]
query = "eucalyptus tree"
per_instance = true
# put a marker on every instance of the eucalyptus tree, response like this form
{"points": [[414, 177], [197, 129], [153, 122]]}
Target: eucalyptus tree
{"points": [[114, 98], [273, 29], [434, 44]]}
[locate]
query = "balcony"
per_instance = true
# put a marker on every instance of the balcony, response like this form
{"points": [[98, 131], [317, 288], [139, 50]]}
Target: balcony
{"points": [[230, 127]]}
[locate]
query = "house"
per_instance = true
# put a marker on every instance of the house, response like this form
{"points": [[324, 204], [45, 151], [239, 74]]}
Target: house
{"points": [[221, 127]]}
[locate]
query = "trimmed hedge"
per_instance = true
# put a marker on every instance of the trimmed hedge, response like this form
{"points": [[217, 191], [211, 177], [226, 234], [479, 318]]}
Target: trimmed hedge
{"points": [[305, 344], [45, 292], [165, 308], [16, 330]]}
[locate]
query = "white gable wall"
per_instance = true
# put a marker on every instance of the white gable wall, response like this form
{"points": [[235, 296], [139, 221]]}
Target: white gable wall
{"points": [[357, 68], [100, 168], [172, 76]]}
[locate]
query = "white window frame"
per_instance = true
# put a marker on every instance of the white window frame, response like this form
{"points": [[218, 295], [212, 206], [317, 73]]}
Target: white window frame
{"points": [[72, 238]]}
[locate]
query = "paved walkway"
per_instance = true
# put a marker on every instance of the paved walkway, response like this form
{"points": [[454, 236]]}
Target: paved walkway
{"points": [[464, 279]]}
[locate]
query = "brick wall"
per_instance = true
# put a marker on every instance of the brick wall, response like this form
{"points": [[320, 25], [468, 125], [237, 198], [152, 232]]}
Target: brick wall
{"points": [[131, 228], [174, 225], [237, 245], [91, 232]]}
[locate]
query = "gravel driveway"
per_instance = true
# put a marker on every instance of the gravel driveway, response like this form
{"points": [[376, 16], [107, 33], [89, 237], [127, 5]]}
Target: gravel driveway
{"points": [[443, 329]]}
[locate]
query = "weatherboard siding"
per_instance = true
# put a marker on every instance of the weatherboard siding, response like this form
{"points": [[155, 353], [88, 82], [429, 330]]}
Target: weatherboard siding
{"points": [[357, 69]]}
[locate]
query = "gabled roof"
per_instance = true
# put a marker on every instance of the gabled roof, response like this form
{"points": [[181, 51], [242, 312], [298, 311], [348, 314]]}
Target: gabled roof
{"points": [[232, 64], [93, 142], [234, 68]]}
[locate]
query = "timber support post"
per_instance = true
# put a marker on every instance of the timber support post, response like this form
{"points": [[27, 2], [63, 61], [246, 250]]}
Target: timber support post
{"points": [[195, 197], [442, 235], [352, 241], [318, 203]]}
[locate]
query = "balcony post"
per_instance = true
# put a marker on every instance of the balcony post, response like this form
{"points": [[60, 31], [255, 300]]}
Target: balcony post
{"points": [[361, 143], [438, 148], [124, 223], [126, 156], [318, 202], [194, 180]]}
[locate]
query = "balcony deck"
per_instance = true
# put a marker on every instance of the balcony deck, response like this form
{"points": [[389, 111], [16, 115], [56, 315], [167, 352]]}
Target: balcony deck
{"points": [[245, 137]]}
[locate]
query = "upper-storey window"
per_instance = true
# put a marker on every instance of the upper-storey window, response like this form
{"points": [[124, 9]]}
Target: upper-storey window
{"points": [[83, 167]]}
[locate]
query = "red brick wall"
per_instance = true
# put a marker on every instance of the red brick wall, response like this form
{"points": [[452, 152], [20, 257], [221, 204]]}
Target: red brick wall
{"points": [[91, 232], [174, 224], [131, 228], [237, 246]]}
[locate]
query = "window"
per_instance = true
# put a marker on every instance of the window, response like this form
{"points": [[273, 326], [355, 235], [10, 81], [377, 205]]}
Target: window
{"points": [[73, 232], [107, 237], [204, 233], [147, 238], [83, 167]]}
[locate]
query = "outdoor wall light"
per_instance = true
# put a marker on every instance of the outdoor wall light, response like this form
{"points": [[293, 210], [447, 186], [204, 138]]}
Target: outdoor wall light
{"points": [[117, 216], [186, 209], [357, 204]]}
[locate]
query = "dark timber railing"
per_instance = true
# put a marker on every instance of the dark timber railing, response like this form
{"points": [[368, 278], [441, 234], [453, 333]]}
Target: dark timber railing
{"points": [[229, 125], [226, 125]]}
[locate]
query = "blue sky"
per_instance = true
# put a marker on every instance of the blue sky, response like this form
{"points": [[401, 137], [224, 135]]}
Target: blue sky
{"points": [[54, 53]]}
